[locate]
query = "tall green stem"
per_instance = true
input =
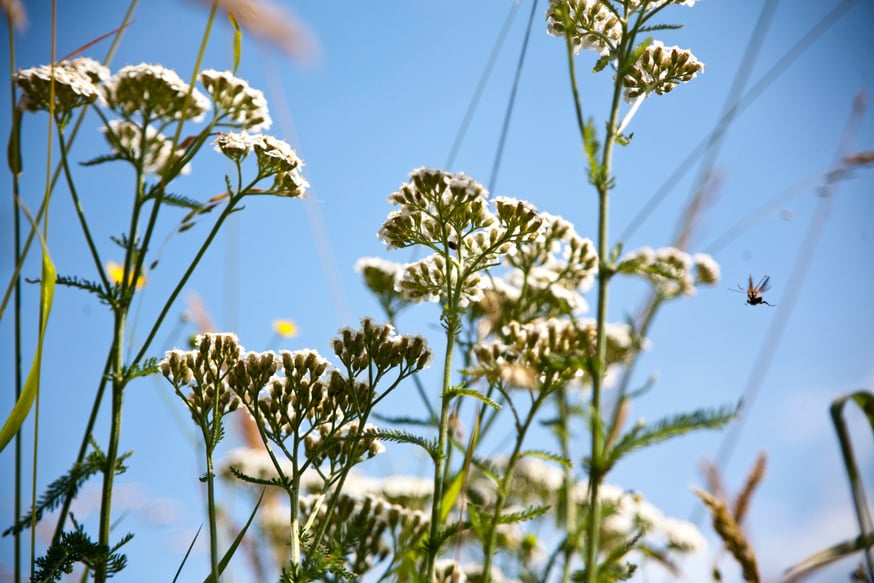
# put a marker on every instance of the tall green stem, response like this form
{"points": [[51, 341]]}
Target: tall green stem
{"points": [[442, 445], [118, 384], [570, 505], [602, 183], [213, 529], [503, 489]]}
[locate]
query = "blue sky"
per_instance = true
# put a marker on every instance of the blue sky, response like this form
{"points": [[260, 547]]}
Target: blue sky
{"points": [[386, 94]]}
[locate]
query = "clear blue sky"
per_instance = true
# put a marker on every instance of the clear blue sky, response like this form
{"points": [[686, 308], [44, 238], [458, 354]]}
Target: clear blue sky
{"points": [[386, 94]]}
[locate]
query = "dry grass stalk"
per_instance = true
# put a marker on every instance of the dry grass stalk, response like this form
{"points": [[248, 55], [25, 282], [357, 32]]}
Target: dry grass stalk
{"points": [[730, 532], [742, 503]]}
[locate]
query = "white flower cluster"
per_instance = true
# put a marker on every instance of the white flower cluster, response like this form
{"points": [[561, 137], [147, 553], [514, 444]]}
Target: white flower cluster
{"points": [[594, 26], [204, 371], [76, 84], [157, 156], [671, 269], [411, 492], [342, 445], [555, 269], [450, 214], [659, 69], [369, 520], [602, 26], [427, 280], [628, 513], [153, 92], [275, 158], [233, 97]]}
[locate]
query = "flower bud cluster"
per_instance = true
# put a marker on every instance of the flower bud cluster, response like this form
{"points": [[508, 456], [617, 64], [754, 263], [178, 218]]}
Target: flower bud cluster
{"points": [[604, 27], [549, 351], [594, 26], [628, 514], [234, 99], [429, 279], [671, 270], [156, 154], [344, 445], [450, 214], [659, 69], [76, 84], [204, 370], [298, 394], [275, 158], [367, 526], [377, 348], [381, 277], [555, 270], [154, 92], [449, 571]]}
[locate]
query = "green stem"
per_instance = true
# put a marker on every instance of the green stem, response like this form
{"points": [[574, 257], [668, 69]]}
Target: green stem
{"points": [[213, 529], [80, 214], [646, 320], [184, 279], [503, 489], [440, 466], [83, 448], [570, 505], [596, 475], [118, 384]]}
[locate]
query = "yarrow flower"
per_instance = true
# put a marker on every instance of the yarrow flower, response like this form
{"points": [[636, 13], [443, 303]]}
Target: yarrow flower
{"points": [[547, 353], [670, 269], [154, 92], [381, 276], [683, 535], [426, 280], [204, 370], [450, 214], [75, 85], [594, 26], [126, 138], [659, 69], [275, 158], [706, 269], [233, 97]]}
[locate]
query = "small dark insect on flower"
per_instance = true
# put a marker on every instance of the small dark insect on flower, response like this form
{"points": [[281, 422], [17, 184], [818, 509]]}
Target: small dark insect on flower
{"points": [[754, 292]]}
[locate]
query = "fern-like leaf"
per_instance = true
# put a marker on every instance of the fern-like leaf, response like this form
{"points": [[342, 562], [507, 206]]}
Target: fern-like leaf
{"points": [[146, 368], [66, 486], [657, 27], [105, 158], [641, 436], [181, 201], [399, 436], [84, 284]]}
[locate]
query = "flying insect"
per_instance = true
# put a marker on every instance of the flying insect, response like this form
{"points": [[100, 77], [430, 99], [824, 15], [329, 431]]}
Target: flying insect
{"points": [[754, 292]]}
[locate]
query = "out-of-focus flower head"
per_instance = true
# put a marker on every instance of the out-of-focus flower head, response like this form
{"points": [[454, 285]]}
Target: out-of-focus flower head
{"points": [[245, 107], [659, 69], [153, 92], [126, 138], [76, 84]]}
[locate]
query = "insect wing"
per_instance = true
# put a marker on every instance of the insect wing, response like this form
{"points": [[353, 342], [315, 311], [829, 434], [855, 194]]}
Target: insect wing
{"points": [[764, 285]]}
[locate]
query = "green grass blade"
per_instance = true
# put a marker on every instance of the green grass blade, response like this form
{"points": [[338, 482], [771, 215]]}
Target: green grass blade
{"points": [[188, 552], [31, 386], [865, 402], [233, 548]]}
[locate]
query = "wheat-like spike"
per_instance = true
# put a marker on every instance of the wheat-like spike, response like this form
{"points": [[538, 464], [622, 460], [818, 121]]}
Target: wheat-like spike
{"points": [[731, 534], [621, 417], [742, 503]]}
